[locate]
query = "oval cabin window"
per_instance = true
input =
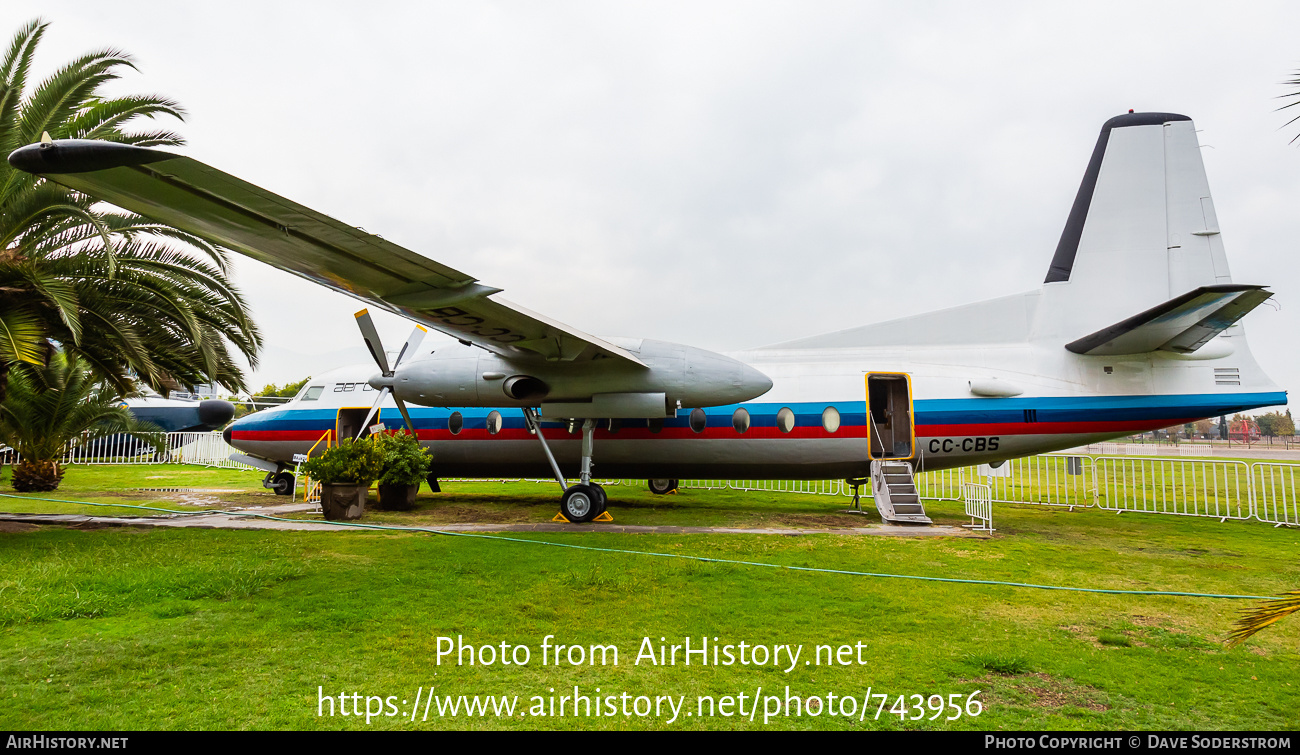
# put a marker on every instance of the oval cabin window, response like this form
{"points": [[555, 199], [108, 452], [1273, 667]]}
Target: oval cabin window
{"points": [[831, 419], [455, 422], [494, 422], [785, 419], [698, 420], [740, 420]]}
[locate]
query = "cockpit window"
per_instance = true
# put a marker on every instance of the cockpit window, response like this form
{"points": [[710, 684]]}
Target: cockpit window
{"points": [[313, 393]]}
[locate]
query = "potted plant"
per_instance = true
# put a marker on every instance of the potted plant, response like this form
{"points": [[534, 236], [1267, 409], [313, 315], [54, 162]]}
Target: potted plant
{"points": [[406, 463], [346, 472]]}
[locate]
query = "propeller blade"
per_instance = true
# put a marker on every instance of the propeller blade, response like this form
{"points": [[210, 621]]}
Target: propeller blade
{"points": [[401, 407], [411, 345], [371, 337], [383, 392]]}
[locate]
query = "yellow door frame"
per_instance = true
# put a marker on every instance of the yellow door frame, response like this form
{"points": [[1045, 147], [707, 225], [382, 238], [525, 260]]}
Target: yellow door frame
{"points": [[338, 436], [911, 414]]}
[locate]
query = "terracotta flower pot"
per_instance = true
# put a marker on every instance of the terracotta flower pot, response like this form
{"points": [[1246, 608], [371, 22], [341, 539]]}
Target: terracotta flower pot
{"points": [[343, 501], [398, 497]]}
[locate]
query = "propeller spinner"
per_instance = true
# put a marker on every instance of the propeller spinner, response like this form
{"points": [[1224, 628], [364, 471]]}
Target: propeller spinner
{"points": [[371, 336]]}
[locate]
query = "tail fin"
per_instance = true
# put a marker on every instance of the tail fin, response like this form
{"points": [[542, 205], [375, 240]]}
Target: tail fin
{"points": [[1142, 230], [1140, 253]]}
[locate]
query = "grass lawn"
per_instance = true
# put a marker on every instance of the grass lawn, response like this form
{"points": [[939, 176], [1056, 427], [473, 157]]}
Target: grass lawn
{"points": [[114, 628], [130, 483]]}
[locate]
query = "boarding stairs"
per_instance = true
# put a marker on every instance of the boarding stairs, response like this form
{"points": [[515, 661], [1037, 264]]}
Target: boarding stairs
{"points": [[894, 488]]}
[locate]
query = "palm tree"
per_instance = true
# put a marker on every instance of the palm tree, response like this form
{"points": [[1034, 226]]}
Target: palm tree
{"points": [[47, 407], [130, 297]]}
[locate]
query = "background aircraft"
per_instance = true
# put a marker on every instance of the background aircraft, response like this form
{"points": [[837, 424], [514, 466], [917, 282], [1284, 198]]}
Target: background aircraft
{"points": [[1134, 328]]}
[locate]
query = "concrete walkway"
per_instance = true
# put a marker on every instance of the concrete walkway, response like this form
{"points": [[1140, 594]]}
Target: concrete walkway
{"points": [[233, 520]]}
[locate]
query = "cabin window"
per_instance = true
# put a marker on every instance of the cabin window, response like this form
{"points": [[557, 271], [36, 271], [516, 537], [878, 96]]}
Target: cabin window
{"points": [[455, 422], [313, 393], [831, 419], [698, 420], [494, 422], [785, 419], [740, 420], [655, 425], [614, 425]]}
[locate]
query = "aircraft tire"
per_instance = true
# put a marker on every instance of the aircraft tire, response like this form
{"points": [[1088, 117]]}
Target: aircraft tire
{"points": [[580, 503], [603, 496], [662, 487], [283, 483]]}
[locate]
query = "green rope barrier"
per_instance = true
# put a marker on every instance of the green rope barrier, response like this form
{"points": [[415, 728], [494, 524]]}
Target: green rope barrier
{"points": [[707, 559]]}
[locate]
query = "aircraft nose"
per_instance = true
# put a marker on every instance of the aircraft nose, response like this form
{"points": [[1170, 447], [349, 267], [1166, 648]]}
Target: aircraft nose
{"points": [[753, 383], [214, 412], [229, 433]]}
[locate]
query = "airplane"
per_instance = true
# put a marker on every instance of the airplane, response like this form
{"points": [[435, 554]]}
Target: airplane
{"points": [[181, 412], [1135, 327]]}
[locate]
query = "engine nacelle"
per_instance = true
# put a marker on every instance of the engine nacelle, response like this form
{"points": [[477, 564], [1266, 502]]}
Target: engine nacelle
{"points": [[675, 375]]}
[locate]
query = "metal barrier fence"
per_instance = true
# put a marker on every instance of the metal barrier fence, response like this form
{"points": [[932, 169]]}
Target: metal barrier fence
{"points": [[205, 449], [943, 485], [806, 487], [1222, 489], [1275, 487], [1219, 489], [1048, 480], [978, 500]]}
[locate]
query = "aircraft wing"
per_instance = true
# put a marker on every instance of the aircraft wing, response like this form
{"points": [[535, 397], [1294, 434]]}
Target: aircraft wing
{"points": [[185, 193], [1182, 324]]}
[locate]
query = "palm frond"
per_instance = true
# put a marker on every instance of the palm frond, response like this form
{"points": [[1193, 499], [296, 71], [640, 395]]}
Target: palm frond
{"points": [[103, 119], [1262, 615], [1294, 95], [60, 95], [22, 339], [13, 82]]}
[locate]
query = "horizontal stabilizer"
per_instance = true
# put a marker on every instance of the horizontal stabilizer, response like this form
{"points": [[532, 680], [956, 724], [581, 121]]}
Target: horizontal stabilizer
{"points": [[1181, 325]]}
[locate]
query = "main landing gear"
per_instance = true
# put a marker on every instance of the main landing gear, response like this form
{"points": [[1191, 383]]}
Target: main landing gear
{"points": [[586, 500], [280, 482]]}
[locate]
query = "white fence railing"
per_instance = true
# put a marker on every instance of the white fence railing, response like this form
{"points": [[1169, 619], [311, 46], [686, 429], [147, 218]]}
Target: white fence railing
{"points": [[205, 449], [1218, 488], [978, 500], [1276, 492], [1213, 488]]}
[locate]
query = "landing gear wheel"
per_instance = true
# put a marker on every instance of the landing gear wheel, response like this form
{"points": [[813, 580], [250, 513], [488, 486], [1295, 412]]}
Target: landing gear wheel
{"points": [[602, 496], [283, 483], [662, 487], [581, 503]]}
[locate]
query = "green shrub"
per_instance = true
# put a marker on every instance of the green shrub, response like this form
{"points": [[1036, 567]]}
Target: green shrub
{"points": [[350, 462], [406, 462]]}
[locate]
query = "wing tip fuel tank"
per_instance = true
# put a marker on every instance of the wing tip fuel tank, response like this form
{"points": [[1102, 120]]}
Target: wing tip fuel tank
{"points": [[67, 156]]}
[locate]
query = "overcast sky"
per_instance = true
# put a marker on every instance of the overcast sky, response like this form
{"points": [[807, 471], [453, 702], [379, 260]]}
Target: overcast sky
{"points": [[722, 174]]}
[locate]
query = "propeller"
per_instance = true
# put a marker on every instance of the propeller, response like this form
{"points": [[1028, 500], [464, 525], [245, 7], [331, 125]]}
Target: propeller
{"points": [[371, 336]]}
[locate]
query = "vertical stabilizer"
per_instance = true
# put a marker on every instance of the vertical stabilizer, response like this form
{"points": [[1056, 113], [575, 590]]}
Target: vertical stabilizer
{"points": [[1142, 229]]}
